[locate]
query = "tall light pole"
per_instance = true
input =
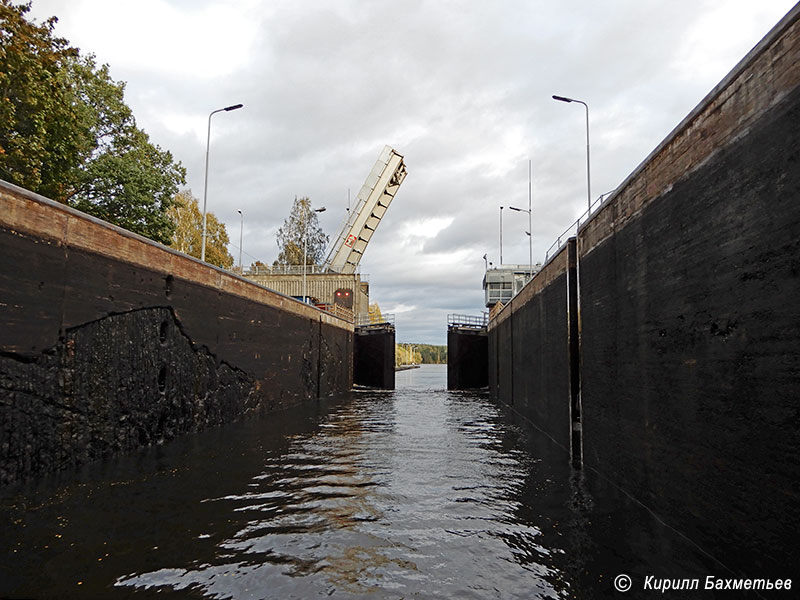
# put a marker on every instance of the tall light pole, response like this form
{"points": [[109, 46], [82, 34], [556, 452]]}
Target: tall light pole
{"points": [[241, 231], [530, 226], [530, 240], [205, 186], [588, 169], [501, 236], [305, 247]]}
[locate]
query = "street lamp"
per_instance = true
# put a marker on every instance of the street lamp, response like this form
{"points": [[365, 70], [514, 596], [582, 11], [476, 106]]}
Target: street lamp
{"points": [[530, 226], [305, 249], [530, 240], [588, 172], [241, 231], [205, 187], [501, 236]]}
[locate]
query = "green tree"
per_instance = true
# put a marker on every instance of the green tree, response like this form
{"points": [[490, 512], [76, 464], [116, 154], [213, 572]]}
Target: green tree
{"points": [[187, 237], [301, 223], [432, 354], [35, 102], [66, 132]]}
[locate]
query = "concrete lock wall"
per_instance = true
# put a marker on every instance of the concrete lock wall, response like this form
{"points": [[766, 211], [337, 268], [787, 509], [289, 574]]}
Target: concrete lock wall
{"points": [[110, 341], [690, 321], [467, 358], [374, 356], [529, 350]]}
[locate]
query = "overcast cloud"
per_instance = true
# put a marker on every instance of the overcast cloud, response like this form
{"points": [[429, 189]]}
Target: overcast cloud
{"points": [[461, 89]]}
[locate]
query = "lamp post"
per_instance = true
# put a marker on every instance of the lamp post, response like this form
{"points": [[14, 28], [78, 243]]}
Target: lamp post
{"points": [[588, 171], [305, 248], [530, 226], [501, 236], [530, 240], [241, 231], [205, 186]]}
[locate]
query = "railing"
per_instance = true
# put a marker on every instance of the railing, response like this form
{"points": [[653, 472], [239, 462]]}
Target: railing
{"points": [[495, 309], [293, 270], [367, 320], [572, 230], [340, 311], [469, 321]]}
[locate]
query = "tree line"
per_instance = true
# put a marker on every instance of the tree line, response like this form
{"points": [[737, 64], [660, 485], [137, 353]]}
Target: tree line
{"points": [[66, 133], [420, 354]]}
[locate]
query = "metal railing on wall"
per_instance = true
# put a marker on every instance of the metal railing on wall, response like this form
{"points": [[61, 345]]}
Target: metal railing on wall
{"points": [[572, 230], [293, 270], [381, 319], [340, 311], [471, 321]]}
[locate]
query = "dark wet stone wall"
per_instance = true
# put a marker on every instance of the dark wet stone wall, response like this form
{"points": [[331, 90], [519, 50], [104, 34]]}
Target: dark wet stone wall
{"points": [[373, 357], [691, 348], [467, 358], [100, 355], [529, 352], [689, 280]]}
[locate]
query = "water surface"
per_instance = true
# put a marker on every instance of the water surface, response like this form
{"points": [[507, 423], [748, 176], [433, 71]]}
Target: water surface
{"points": [[416, 493]]}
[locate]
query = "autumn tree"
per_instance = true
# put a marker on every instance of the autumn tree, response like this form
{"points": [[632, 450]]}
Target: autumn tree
{"points": [[405, 354], [374, 313], [187, 237], [301, 225], [258, 266], [66, 132]]}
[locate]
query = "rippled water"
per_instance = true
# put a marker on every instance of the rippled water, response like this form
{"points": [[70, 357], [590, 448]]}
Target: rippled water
{"points": [[416, 493]]}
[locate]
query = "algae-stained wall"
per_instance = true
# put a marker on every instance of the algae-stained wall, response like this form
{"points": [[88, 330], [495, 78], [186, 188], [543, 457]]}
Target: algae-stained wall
{"points": [[110, 341]]}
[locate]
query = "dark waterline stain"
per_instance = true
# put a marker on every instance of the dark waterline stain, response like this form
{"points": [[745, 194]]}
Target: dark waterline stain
{"points": [[415, 493]]}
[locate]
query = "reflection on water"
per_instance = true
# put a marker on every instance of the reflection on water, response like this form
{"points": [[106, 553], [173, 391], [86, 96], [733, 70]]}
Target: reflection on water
{"points": [[414, 493], [394, 494]]}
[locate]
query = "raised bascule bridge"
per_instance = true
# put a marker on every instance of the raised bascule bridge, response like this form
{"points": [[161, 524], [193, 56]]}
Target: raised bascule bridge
{"points": [[338, 286]]}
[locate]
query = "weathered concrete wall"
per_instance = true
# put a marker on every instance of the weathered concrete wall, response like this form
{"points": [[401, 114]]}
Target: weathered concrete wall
{"points": [[691, 343], [529, 350], [109, 341], [690, 321], [373, 358], [467, 358], [321, 286]]}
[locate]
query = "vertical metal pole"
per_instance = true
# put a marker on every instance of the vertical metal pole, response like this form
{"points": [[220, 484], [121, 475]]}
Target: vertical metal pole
{"points": [[241, 232], [501, 236], [205, 185], [205, 192], [305, 242], [588, 163], [530, 226]]}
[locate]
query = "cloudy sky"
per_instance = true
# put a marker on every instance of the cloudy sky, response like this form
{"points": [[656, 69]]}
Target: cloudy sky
{"points": [[462, 89]]}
